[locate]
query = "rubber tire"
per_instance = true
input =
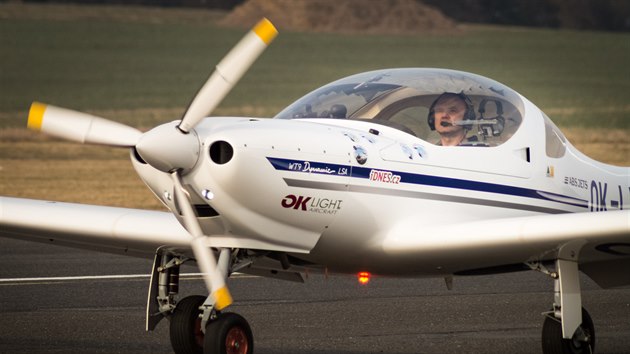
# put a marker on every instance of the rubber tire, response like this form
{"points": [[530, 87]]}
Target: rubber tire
{"points": [[217, 331], [186, 326], [553, 343]]}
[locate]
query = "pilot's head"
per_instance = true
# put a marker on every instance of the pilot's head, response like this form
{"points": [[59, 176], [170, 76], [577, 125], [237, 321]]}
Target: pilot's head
{"points": [[450, 114], [338, 111]]}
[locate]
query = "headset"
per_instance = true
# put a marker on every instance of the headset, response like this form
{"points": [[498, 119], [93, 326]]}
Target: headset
{"points": [[469, 115]]}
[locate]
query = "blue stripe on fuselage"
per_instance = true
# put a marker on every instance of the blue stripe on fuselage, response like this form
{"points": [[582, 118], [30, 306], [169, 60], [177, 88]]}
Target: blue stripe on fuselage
{"points": [[419, 179]]}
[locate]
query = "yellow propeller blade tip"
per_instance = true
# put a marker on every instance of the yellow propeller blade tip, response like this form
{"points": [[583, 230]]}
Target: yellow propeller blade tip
{"points": [[222, 298], [36, 116], [265, 30]]}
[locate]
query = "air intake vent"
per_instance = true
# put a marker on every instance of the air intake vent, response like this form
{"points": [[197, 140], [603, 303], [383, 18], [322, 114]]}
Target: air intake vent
{"points": [[221, 152]]}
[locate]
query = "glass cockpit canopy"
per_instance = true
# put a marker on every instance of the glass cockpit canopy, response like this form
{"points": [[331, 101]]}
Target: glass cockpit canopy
{"points": [[403, 99]]}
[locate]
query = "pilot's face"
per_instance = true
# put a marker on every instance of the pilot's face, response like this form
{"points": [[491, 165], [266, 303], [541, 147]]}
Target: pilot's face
{"points": [[448, 112]]}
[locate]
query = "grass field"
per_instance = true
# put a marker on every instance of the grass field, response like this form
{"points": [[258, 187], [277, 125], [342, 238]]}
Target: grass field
{"points": [[142, 67]]}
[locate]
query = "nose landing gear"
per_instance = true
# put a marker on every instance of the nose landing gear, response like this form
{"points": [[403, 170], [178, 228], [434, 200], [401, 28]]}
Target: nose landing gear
{"points": [[196, 326], [225, 333]]}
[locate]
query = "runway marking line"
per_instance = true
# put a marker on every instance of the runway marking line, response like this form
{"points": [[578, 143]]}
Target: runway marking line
{"points": [[103, 277]]}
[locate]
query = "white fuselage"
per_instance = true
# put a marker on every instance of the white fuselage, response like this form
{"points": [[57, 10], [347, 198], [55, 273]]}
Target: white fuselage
{"points": [[298, 185]]}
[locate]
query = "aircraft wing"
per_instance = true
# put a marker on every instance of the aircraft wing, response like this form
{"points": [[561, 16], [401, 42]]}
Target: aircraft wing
{"points": [[134, 232], [600, 242]]}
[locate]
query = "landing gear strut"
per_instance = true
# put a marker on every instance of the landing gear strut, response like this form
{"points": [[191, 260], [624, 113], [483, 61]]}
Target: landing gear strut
{"points": [[568, 328]]}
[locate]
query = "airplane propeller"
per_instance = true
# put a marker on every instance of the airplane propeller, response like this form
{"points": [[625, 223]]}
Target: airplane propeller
{"points": [[228, 72], [173, 147], [80, 127]]}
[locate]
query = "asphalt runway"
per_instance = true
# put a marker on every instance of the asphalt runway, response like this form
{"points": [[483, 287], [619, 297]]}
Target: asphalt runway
{"points": [[483, 314]]}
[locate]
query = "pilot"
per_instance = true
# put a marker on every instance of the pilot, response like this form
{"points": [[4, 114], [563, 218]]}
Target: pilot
{"points": [[452, 116], [336, 111]]}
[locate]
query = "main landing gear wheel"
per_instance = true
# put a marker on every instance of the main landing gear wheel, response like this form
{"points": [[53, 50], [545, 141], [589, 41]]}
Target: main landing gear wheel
{"points": [[185, 329], [583, 341], [228, 334]]}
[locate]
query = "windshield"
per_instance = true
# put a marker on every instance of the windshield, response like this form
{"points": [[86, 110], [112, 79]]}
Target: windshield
{"points": [[431, 104], [337, 101]]}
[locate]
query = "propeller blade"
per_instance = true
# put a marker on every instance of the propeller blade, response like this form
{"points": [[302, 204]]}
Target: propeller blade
{"points": [[228, 72], [205, 258], [81, 127]]}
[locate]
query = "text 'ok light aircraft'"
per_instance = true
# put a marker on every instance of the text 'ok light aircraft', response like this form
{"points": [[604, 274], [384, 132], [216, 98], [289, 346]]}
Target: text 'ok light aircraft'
{"points": [[362, 175]]}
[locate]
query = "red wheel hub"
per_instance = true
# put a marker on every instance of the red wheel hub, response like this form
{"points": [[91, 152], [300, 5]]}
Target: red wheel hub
{"points": [[198, 333], [236, 341]]}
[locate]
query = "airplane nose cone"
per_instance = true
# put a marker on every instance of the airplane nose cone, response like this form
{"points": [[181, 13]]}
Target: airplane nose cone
{"points": [[167, 148]]}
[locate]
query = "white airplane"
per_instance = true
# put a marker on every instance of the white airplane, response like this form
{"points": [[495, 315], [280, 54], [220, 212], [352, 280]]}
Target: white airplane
{"points": [[355, 177]]}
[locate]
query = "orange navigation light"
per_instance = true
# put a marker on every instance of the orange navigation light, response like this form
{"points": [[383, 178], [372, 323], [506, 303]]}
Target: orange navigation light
{"points": [[364, 278]]}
